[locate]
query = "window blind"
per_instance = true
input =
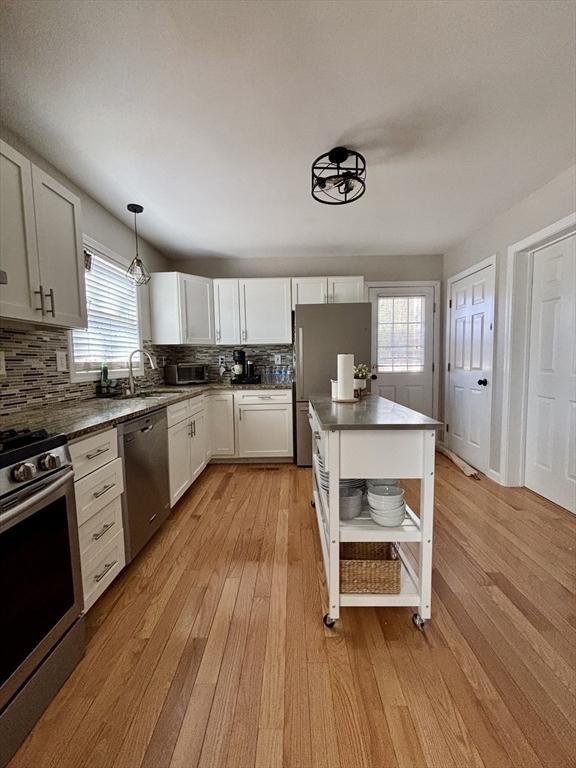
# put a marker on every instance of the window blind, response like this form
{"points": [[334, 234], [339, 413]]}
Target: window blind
{"points": [[400, 334], [113, 330]]}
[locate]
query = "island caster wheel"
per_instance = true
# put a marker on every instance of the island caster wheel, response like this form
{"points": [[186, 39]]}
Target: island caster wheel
{"points": [[418, 621], [313, 503], [328, 622]]}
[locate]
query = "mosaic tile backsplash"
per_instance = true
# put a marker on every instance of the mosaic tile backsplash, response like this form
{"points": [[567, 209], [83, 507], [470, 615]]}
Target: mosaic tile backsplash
{"points": [[32, 379]]}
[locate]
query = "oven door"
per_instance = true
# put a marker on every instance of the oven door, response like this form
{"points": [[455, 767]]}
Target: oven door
{"points": [[40, 578]]}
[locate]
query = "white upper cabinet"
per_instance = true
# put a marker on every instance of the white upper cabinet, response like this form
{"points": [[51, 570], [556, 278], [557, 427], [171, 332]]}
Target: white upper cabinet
{"points": [[265, 310], [309, 290], [60, 251], [40, 245], [18, 253], [345, 289], [181, 308], [227, 312]]}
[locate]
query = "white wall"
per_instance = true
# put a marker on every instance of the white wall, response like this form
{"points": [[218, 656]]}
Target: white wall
{"points": [[425, 267], [543, 207], [97, 222]]}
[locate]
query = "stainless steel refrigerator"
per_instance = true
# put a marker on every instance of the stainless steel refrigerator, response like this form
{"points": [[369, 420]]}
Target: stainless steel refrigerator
{"points": [[321, 333]]}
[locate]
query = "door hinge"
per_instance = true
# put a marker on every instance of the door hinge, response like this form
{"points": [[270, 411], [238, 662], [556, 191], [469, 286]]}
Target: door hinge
{"points": [[450, 303], [448, 366], [447, 427], [434, 307], [433, 367]]}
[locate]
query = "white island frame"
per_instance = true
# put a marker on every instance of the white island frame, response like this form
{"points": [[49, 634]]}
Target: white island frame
{"points": [[393, 451]]}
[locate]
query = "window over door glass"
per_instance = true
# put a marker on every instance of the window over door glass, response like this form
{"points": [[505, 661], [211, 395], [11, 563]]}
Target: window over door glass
{"points": [[401, 334]]}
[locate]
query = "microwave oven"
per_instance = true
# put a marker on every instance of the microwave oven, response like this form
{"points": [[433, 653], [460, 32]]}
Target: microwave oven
{"points": [[184, 373]]}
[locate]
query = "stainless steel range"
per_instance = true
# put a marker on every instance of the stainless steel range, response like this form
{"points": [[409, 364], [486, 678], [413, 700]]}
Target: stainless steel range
{"points": [[40, 579]]}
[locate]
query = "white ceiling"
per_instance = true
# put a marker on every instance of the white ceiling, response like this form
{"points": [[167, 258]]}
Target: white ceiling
{"points": [[210, 114]]}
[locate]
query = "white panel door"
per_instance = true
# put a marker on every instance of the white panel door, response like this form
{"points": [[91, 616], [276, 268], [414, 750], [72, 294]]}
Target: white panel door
{"points": [[403, 345], [197, 308], [345, 289], [266, 310], [470, 367], [309, 290], [179, 459], [264, 430], [18, 252], [60, 251], [226, 312], [551, 416], [221, 424]]}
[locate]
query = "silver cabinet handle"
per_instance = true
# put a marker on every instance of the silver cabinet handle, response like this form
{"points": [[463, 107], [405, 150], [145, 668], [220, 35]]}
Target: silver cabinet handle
{"points": [[264, 397], [218, 335], [102, 531], [154, 516], [103, 490], [97, 452], [52, 310], [42, 307], [107, 567]]}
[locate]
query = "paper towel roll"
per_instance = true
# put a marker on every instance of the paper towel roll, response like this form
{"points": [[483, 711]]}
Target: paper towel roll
{"points": [[345, 377]]}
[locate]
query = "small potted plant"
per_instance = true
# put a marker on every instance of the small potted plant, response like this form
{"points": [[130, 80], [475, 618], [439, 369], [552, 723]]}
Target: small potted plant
{"points": [[361, 375]]}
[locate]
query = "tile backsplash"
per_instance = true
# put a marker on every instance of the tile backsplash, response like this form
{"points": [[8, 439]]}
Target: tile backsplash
{"points": [[32, 379]]}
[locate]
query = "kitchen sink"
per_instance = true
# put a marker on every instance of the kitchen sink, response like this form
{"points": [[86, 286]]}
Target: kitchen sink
{"points": [[154, 393]]}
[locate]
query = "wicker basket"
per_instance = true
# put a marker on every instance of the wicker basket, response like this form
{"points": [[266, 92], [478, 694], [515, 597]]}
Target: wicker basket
{"points": [[369, 568]]}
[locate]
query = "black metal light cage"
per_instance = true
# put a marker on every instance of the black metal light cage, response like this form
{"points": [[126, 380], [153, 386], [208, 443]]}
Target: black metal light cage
{"points": [[338, 176]]}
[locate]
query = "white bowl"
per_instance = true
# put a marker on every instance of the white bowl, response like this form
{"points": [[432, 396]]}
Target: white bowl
{"points": [[375, 482], [389, 521], [384, 505], [387, 491]]}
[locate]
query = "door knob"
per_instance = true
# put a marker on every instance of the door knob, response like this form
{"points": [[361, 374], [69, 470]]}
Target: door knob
{"points": [[483, 382]]}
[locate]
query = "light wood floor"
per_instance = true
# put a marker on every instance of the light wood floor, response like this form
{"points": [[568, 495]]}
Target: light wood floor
{"points": [[210, 650]]}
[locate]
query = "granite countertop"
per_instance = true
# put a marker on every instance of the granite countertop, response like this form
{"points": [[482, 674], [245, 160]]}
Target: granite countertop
{"points": [[372, 412], [81, 417]]}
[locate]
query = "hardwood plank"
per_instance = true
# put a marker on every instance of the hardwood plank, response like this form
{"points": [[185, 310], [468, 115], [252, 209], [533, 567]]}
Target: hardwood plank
{"points": [[209, 649]]}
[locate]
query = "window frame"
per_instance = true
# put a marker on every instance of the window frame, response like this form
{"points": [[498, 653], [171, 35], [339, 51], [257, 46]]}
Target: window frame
{"points": [[114, 373]]}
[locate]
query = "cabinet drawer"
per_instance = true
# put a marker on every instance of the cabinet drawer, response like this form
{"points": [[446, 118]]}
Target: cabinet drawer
{"points": [[262, 396], [100, 570], [319, 436], [93, 452], [196, 405], [177, 412], [98, 489], [100, 528]]}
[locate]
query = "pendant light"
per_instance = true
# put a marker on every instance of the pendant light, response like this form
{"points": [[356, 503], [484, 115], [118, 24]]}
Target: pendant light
{"points": [[338, 176], [137, 271]]}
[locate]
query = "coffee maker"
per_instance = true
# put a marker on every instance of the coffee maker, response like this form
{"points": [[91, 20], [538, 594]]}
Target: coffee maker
{"points": [[242, 370]]}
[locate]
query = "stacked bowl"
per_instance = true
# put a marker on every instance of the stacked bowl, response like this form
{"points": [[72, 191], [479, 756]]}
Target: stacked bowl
{"points": [[387, 507]]}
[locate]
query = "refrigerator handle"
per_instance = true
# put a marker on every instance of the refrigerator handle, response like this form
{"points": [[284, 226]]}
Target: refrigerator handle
{"points": [[299, 379]]}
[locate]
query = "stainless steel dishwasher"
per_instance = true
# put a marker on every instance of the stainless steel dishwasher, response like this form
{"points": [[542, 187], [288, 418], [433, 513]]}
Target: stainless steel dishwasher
{"points": [[146, 502]]}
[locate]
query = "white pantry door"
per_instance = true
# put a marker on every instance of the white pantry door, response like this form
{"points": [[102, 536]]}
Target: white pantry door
{"points": [[470, 366], [551, 416], [403, 345]]}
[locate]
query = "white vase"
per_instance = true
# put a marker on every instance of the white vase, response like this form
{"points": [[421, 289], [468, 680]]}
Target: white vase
{"points": [[359, 383]]}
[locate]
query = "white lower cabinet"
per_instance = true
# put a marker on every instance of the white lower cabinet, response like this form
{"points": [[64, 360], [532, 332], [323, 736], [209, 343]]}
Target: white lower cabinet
{"points": [[187, 450], [220, 424], [264, 425], [98, 489]]}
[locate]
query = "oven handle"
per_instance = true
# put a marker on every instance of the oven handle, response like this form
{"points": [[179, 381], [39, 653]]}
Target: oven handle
{"points": [[29, 501]]}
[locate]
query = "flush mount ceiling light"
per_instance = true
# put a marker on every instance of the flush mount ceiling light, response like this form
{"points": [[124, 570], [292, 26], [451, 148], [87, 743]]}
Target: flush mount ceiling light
{"points": [[339, 176], [137, 271]]}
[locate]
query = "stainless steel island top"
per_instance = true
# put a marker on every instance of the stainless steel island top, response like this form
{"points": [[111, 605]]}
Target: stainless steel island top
{"points": [[371, 412]]}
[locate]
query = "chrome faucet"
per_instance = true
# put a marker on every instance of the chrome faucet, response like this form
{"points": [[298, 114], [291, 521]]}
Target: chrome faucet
{"points": [[131, 385]]}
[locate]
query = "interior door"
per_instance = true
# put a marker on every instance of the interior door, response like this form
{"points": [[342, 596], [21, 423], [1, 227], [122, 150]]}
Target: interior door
{"points": [[550, 468], [60, 251], [403, 345], [470, 367], [18, 252]]}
